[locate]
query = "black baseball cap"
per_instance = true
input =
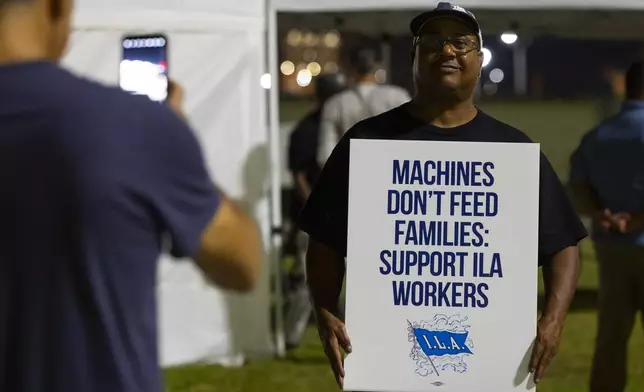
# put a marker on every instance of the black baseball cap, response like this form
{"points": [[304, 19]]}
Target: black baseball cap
{"points": [[446, 10]]}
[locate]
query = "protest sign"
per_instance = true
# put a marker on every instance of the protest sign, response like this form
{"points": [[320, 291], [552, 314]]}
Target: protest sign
{"points": [[441, 266]]}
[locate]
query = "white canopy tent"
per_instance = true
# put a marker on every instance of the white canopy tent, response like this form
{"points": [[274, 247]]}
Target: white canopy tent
{"points": [[217, 53]]}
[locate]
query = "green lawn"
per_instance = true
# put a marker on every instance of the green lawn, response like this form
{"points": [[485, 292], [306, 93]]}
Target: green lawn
{"points": [[558, 127]]}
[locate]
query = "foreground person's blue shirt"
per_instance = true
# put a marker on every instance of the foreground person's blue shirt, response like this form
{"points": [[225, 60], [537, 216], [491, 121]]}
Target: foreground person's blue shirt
{"points": [[610, 159], [93, 181]]}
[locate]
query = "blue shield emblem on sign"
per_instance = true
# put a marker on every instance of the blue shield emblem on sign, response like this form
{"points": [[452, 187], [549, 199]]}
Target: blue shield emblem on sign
{"points": [[437, 343], [441, 344]]}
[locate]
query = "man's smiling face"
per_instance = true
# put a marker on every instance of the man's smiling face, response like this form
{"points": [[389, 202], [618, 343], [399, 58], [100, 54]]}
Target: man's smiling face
{"points": [[447, 55]]}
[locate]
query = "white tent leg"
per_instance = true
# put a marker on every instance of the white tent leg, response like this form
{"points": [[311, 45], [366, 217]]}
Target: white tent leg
{"points": [[520, 65], [276, 180]]}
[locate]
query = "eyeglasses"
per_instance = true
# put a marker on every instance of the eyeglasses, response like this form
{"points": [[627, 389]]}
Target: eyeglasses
{"points": [[436, 43]]}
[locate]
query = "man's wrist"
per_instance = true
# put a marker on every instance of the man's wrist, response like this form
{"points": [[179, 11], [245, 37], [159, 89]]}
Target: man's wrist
{"points": [[325, 311], [557, 317]]}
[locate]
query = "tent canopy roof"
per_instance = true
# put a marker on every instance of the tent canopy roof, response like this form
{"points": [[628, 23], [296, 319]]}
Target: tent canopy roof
{"points": [[237, 8], [600, 18], [344, 5]]}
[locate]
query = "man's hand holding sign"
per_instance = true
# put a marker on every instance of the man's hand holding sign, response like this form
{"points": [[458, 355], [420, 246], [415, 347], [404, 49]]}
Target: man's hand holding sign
{"points": [[445, 235]]}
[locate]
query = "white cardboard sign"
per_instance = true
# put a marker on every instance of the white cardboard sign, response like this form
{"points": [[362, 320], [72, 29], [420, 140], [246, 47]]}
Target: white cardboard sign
{"points": [[441, 266]]}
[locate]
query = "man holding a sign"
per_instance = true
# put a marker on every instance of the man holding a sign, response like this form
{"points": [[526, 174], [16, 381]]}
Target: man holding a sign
{"points": [[416, 191]]}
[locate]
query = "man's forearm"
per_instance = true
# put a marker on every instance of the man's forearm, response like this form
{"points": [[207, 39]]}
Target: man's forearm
{"points": [[325, 275], [560, 277], [302, 185]]}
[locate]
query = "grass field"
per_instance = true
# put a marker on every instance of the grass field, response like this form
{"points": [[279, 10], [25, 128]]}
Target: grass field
{"points": [[557, 126]]}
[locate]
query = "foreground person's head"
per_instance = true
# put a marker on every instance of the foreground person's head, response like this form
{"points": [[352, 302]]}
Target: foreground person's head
{"points": [[34, 29]]}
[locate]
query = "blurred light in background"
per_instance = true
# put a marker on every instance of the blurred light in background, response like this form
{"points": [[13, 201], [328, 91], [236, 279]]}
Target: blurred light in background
{"points": [[304, 78], [381, 76], [287, 68], [487, 56], [509, 38], [265, 81], [314, 68], [310, 39], [496, 75], [314, 52], [294, 37], [332, 39]]}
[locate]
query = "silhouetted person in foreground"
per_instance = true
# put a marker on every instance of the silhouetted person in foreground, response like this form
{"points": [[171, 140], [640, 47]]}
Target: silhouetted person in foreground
{"points": [[95, 184]]}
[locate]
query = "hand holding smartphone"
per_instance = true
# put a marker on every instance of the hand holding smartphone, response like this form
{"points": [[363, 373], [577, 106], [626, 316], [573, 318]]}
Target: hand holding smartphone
{"points": [[175, 99], [144, 66]]}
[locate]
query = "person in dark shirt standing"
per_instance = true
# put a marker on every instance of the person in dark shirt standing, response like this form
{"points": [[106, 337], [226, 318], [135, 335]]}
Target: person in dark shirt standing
{"points": [[447, 62], [305, 138], [302, 162], [94, 183], [607, 180]]}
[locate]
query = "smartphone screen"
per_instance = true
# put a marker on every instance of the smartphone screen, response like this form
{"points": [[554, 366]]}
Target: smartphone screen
{"points": [[144, 66]]}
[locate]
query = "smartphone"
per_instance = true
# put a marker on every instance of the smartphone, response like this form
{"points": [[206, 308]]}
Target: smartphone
{"points": [[144, 66]]}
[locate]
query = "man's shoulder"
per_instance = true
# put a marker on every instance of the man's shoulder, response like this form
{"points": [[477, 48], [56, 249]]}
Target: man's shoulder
{"points": [[496, 130], [590, 136], [93, 103], [112, 97], [626, 125]]}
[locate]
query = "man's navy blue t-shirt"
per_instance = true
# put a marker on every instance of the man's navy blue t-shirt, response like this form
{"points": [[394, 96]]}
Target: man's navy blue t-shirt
{"points": [[93, 183]]}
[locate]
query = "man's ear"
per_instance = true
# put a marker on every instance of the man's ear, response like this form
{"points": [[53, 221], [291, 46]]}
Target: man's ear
{"points": [[412, 53]]}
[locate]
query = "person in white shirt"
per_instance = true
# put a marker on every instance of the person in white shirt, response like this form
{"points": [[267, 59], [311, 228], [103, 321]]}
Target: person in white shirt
{"points": [[366, 99]]}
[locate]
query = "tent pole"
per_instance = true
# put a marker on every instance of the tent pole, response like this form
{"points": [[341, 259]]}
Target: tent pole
{"points": [[276, 180], [520, 65]]}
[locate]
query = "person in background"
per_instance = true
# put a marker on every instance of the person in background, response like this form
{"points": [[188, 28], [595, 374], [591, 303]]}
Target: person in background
{"points": [[302, 162], [304, 140], [94, 183], [447, 63], [366, 98], [607, 181]]}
